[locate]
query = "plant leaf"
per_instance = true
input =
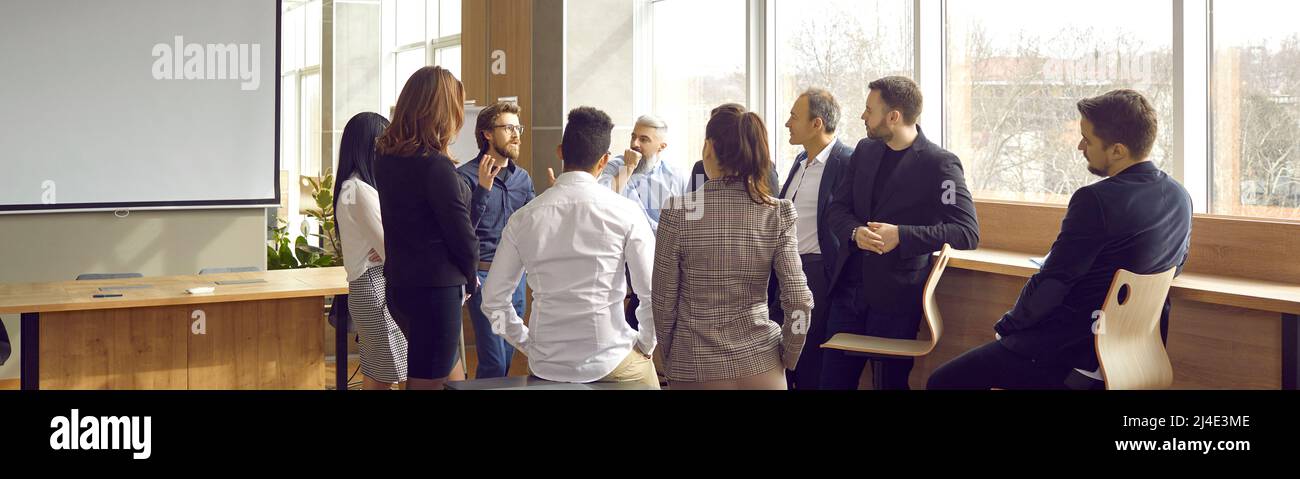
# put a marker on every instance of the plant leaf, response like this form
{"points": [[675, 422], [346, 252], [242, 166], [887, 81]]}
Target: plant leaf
{"points": [[287, 261]]}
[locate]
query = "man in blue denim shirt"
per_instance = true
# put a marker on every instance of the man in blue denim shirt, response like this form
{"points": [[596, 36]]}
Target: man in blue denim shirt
{"points": [[500, 187], [642, 176]]}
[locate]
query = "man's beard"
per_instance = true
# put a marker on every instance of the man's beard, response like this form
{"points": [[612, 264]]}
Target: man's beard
{"points": [[1101, 173], [882, 134], [644, 165], [504, 152]]}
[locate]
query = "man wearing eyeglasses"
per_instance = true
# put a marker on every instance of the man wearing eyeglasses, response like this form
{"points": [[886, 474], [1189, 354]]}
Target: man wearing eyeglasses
{"points": [[500, 187]]}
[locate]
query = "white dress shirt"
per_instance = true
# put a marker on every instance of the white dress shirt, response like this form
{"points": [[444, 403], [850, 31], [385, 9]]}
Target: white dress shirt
{"points": [[573, 241], [360, 226], [803, 191]]}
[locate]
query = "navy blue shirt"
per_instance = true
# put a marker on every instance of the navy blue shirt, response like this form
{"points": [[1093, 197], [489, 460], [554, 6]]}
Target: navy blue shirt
{"points": [[489, 210]]}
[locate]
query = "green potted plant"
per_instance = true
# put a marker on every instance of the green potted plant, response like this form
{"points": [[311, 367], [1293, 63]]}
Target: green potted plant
{"points": [[284, 252]]}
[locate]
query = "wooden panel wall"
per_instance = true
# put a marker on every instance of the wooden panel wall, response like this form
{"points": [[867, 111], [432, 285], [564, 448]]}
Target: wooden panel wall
{"points": [[1220, 246], [474, 50], [504, 25]]}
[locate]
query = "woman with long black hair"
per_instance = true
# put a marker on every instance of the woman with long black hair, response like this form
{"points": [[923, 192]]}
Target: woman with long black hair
{"points": [[357, 220]]}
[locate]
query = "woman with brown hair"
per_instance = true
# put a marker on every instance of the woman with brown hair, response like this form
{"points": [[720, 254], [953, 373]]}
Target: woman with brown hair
{"points": [[432, 249], [714, 252]]}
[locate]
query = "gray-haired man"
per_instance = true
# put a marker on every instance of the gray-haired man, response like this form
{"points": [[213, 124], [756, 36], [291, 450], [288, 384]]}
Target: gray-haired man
{"points": [[641, 175], [814, 119]]}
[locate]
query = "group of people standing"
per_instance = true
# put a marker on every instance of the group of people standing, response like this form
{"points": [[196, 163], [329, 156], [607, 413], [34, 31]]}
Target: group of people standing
{"points": [[724, 278]]}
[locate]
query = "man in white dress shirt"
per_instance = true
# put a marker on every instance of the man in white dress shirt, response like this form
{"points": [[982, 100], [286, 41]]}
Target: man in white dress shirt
{"points": [[575, 242], [816, 171]]}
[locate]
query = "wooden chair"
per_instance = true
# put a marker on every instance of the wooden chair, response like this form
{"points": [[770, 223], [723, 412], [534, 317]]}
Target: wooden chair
{"points": [[910, 348], [1129, 347]]}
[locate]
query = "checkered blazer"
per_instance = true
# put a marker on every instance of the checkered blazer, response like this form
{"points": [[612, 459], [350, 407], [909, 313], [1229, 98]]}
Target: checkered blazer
{"points": [[714, 252]]}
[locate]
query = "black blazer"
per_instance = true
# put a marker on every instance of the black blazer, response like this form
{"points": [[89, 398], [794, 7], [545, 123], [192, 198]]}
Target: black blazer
{"points": [[839, 159], [428, 236], [1139, 220], [926, 197], [699, 176]]}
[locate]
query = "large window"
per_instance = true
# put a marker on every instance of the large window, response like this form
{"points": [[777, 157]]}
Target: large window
{"points": [[375, 46], [1256, 108], [422, 32], [1016, 69], [300, 98], [839, 46], [1001, 79], [699, 60]]}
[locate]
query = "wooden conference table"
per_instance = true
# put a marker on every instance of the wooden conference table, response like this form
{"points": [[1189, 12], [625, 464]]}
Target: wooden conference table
{"points": [[259, 330]]}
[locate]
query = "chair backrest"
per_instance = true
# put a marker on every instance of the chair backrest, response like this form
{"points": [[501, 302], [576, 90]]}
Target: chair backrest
{"points": [[929, 305], [94, 276], [235, 269], [1129, 347]]}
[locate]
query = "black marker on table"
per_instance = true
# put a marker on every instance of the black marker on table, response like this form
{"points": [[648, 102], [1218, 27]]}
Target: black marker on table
{"points": [[114, 295]]}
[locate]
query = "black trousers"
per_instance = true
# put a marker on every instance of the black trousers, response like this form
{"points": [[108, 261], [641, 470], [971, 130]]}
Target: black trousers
{"points": [[994, 366], [807, 374]]}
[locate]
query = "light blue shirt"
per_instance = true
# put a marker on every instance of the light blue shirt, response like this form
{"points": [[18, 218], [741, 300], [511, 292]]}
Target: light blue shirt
{"points": [[649, 189]]}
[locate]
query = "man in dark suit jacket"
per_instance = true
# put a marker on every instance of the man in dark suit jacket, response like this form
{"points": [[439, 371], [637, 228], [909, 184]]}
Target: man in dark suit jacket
{"points": [[1138, 219], [901, 199], [699, 177], [813, 177]]}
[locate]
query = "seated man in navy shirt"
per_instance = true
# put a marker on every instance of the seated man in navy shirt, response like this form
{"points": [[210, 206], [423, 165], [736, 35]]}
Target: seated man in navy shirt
{"points": [[1138, 219]]}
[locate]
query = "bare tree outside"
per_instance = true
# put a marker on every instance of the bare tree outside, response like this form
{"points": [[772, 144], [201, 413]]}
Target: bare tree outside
{"points": [[839, 46], [1013, 118], [1012, 83], [1257, 137]]}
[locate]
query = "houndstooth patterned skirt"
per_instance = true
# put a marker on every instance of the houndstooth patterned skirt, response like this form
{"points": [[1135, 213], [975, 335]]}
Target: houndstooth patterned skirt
{"points": [[383, 347]]}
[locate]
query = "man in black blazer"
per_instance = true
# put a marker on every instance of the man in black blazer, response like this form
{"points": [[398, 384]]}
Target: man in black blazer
{"points": [[1138, 219], [901, 198], [813, 177], [699, 177]]}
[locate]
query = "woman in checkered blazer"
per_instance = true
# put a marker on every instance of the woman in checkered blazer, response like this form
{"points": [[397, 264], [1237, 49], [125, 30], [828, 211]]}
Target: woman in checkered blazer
{"points": [[714, 252]]}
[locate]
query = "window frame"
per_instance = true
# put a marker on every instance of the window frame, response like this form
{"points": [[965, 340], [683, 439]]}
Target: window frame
{"points": [[1193, 79], [391, 85]]}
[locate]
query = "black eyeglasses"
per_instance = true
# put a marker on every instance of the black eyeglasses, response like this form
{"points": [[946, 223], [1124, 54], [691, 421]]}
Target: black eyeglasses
{"points": [[518, 130]]}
